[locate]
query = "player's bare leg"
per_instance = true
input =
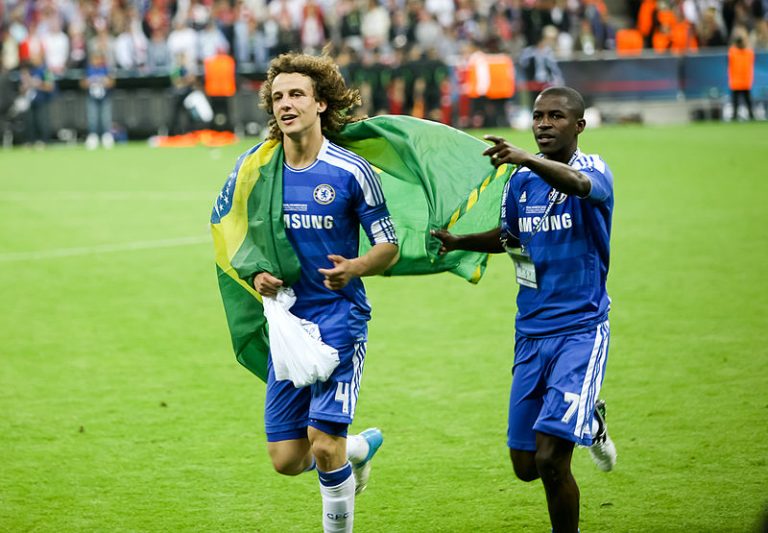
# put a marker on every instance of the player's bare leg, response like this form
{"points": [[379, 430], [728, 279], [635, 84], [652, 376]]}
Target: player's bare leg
{"points": [[553, 461], [337, 483], [290, 457]]}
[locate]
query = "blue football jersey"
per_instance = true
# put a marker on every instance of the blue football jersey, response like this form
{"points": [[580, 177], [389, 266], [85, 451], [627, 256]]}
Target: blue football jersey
{"points": [[569, 246], [324, 206]]}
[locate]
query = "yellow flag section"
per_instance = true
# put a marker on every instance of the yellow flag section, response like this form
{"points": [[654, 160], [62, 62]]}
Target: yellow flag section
{"points": [[229, 233], [230, 229]]}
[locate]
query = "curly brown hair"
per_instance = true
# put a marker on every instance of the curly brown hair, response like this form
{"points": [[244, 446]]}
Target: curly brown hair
{"points": [[328, 84]]}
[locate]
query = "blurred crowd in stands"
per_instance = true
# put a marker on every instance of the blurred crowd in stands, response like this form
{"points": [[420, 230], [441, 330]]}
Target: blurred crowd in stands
{"points": [[151, 36], [396, 51]]}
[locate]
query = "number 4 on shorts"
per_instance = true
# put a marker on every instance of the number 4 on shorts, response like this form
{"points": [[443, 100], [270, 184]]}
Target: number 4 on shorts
{"points": [[342, 395]]}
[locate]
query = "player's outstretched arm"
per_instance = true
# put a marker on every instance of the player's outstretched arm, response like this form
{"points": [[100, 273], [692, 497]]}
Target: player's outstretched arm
{"points": [[561, 176], [375, 261], [486, 242]]}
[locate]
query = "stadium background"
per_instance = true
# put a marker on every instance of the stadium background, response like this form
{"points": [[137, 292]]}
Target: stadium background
{"points": [[414, 57]]}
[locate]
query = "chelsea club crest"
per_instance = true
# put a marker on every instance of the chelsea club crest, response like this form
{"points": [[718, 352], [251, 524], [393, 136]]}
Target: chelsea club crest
{"points": [[324, 194]]}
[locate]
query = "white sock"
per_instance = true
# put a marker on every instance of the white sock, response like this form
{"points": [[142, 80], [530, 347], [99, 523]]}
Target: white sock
{"points": [[357, 448], [338, 491], [595, 426]]}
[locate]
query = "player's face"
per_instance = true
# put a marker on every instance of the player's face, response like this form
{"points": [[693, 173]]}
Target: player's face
{"points": [[294, 105], [555, 126]]}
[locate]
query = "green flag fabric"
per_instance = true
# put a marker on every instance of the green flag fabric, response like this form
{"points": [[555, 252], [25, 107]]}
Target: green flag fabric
{"points": [[433, 176]]}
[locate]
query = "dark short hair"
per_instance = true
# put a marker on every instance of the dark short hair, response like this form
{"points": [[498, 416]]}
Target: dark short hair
{"points": [[572, 96]]}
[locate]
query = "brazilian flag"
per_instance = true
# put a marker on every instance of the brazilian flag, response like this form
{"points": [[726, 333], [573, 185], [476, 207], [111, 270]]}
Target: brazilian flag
{"points": [[433, 177]]}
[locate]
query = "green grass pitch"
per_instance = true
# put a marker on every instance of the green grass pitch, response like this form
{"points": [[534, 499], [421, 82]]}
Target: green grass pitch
{"points": [[122, 407]]}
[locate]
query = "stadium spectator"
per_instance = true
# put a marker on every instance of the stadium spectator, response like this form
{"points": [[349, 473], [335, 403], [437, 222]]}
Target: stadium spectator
{"points": [[156, 19], [256, 43], [102, 40], [401, 30], [210, 41], [761, 34], [690, 11], [131, 44], [223, 14], [18, 32], [741, 14], [158, 53], [32, 44], [350, 18], [587, 43], [307, 427], [286, 34], [442, 10], [182, 42], [198, 14], [645, 19], [538, 65], [9, 111], [535, 18], [596, 12], [664, 19], [562, 19], [683, 38], [183, 82], [9, 50], [78, 48], [313, 30], [98, 82], [37, 87], [374, 26], [741, 73], [429, 34], [55, 46], [555, 224], [711, 30]]}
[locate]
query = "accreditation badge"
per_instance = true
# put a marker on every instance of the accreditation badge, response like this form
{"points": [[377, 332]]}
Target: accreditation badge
{"points": [[525, 270]]}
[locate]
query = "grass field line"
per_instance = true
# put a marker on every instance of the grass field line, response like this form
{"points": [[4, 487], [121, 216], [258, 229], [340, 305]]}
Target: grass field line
{"points": [[55, 253]]}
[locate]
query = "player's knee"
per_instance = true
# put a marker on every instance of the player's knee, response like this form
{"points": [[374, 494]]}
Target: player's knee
{"points": [[324, 450], [287, 468], [525, 473], [550, 466], [287, 465]]}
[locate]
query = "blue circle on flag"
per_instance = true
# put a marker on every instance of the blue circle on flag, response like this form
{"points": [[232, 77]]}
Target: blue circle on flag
{"points": [[223, 202]]}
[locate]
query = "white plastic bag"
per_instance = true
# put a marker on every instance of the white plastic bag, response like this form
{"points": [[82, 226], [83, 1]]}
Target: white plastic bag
{"points": [[298, 351]]}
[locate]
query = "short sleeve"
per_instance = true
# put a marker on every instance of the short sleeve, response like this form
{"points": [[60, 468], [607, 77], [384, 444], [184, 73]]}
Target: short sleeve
{"points": [[595, 169], [371, 209]]}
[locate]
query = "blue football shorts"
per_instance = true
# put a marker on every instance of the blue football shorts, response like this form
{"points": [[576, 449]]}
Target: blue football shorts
{"points": [[328, 406], [555, 384]]}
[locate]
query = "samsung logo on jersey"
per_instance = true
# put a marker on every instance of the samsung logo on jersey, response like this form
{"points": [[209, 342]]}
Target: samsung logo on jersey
{"points": [[297, 221], [552, 222]]}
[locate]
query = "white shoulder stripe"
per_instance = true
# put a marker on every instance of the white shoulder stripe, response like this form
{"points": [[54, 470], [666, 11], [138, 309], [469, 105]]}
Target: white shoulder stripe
{"points": [[590, 161], [357, 166], [367, 178]]}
